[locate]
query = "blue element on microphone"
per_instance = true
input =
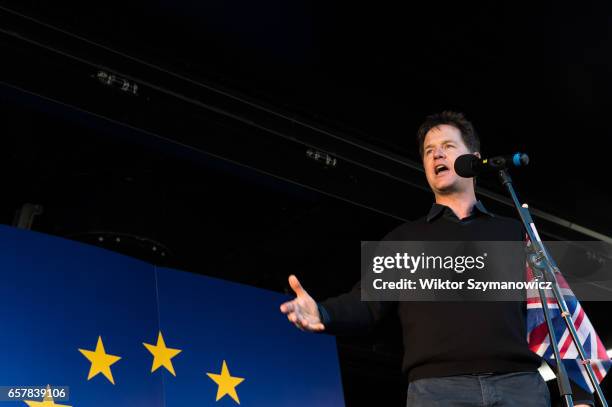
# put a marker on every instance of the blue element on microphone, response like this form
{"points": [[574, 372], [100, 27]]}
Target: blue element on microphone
{"points": [[516, 159]]}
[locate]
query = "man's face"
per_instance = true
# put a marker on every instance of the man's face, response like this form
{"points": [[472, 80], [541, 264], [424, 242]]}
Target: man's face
{"points": [[442, 145]]}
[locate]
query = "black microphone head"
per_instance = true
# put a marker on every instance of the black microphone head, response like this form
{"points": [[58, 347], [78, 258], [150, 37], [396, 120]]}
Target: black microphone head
{"points": [[465, 165]]}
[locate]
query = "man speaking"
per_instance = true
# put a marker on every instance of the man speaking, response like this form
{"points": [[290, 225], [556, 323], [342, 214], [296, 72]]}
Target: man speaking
{"points": [[488, 363]]}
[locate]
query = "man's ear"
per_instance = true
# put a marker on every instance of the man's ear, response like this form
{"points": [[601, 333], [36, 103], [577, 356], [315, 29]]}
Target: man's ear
{"points": [[477, 154]]}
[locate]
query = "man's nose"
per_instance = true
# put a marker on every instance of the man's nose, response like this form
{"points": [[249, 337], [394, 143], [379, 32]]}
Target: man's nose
{"points": [[439, 152]]}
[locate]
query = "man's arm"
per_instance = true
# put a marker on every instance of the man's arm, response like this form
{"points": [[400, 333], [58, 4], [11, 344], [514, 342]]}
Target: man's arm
{"points": [[348, 315], [344, 315]]}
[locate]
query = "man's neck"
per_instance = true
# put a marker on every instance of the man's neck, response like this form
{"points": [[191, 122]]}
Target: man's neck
{"points": [[461, 203]]}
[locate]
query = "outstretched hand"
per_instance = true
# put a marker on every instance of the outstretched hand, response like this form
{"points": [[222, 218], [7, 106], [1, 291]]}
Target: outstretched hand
{"points": [[302, 311]]}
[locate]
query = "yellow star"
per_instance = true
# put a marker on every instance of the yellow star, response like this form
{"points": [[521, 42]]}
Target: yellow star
{"points": [[162, 356], [47, 401], [100, 361], [227, 384]]}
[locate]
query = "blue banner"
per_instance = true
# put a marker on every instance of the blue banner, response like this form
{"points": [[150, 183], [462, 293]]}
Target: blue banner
{"points": [[120, 332]]}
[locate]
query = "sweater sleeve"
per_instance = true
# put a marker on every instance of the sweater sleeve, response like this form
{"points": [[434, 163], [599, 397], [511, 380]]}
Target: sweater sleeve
{"points": [[348, 315]]}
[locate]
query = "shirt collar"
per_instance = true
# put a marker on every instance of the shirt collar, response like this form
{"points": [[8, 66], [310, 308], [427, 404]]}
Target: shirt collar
{"points": [[437, 209]]}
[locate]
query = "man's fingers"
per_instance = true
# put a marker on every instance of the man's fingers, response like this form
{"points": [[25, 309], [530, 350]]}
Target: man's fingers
{"points": [[302, 323], [287, 307], [307, 326], [296, 286], [316, 327]]}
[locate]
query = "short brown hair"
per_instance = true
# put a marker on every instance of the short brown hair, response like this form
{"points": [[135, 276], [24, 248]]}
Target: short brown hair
{"points": [[455, 119]]}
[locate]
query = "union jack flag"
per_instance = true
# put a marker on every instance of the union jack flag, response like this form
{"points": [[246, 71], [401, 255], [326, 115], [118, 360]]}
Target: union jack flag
{"points": [[539, 341]]}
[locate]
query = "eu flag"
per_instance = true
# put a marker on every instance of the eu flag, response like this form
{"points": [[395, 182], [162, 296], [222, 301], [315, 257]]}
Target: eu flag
{"points": [[120, 332]]}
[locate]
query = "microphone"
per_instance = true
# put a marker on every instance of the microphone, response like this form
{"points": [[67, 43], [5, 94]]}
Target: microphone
{"points": [[468, 165]]}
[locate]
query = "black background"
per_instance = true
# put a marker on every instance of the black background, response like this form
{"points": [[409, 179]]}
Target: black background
{"points": [[532, 78]]}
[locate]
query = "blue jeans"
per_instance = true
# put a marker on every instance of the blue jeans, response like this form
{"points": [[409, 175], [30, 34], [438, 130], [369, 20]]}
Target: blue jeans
{"points": [[522, 389]]}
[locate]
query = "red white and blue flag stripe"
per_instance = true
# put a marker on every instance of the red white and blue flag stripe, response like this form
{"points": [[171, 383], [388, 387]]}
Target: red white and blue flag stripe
{"points": [[539, 341]]}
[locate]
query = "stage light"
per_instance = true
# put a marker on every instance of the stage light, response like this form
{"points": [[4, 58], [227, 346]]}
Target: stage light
{"points": [[118, 82], [327, 160]]}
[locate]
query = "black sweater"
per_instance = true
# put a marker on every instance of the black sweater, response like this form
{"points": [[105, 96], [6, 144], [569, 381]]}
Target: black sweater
{"points": [[448, 338]]}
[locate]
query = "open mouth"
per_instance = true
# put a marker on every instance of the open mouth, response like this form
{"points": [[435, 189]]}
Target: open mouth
{"points": [[440, 168]]}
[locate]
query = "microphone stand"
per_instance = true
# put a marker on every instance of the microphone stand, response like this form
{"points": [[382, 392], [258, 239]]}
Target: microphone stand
{"points": [[544, 267]]}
